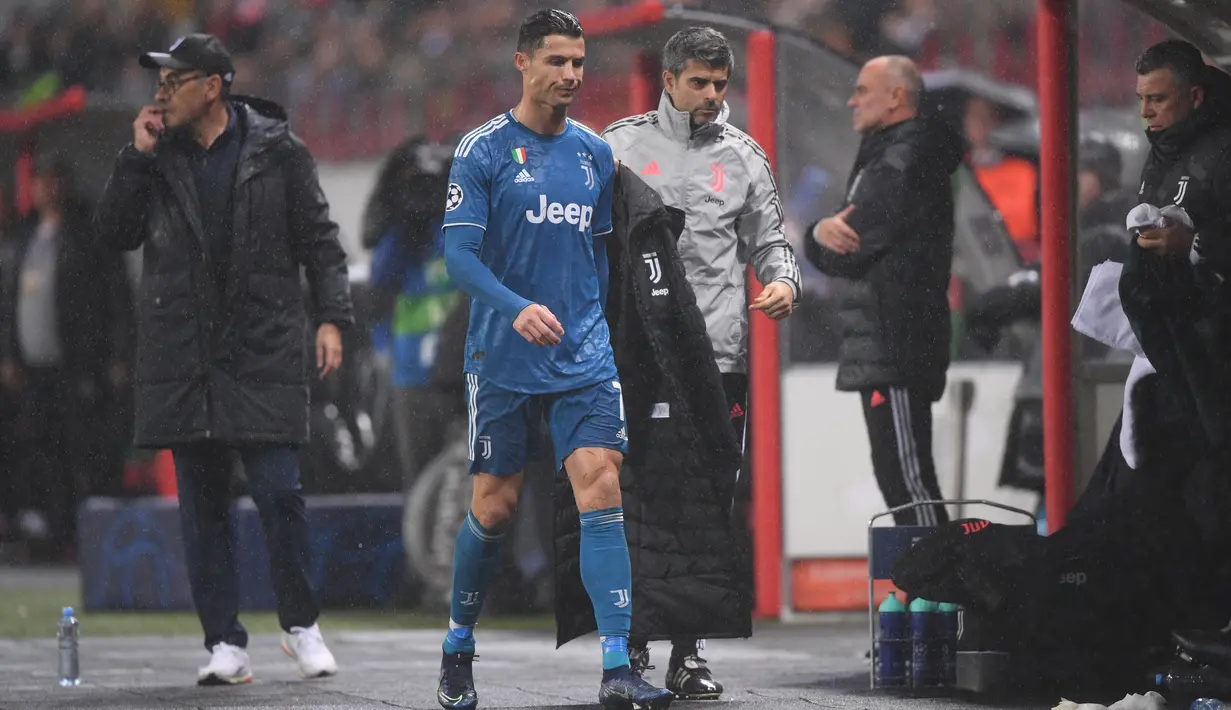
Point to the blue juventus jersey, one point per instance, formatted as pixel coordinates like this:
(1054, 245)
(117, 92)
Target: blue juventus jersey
(545, 205)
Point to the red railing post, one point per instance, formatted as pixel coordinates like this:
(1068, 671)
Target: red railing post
(1055, 123)
(765, 396)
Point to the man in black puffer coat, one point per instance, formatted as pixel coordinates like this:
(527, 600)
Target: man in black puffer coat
(226, 203)
(679, 476)
(1173, 288)
(893, 242)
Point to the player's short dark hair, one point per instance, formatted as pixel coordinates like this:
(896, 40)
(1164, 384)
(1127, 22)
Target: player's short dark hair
(698, 44)
(1182, 58)
(543, 24)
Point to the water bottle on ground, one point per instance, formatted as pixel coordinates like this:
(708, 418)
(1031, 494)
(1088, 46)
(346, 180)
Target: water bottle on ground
(1184, 683)
(892, 651)
(66, 636)
(1207, 704)
(947, 614)
(924, 666)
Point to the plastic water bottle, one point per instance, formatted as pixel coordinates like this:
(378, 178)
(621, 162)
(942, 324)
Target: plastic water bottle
(1187, 683)
(1207, 704)
(947, 615)
(66, 636)
(894, 639)
(924, 669)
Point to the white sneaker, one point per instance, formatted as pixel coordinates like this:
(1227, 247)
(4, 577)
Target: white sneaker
(228, 665)
(308, 650)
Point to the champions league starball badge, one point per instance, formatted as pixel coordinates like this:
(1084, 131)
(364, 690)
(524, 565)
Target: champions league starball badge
(454, 197)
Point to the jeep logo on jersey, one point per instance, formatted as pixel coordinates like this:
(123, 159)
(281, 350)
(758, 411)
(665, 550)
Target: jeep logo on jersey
(656, 272)
(556, 213)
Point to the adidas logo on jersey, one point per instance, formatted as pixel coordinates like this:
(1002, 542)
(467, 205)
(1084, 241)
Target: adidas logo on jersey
(573, 213)
(523, 176)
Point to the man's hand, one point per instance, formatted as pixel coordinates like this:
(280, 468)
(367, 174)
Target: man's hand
(10, 376)
(147, 128)
(836, 235)
(328, 349)
(777, 300)
(1174, 240)
(537, 325)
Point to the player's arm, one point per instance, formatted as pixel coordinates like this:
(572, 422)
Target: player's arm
(760, 228)
(462, 244)
(467, 209)
(535, 322)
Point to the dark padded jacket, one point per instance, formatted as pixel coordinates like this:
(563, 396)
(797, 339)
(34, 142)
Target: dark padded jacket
(1181, 311)
(895, 309)
(228, 366)
(678, 479)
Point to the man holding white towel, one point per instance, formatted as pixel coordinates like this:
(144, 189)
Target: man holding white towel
(1172, 288)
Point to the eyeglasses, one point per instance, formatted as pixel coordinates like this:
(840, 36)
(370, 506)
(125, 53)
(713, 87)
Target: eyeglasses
(172, 84)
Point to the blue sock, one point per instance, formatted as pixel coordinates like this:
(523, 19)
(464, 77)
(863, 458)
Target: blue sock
(476, 558)
(608, 576)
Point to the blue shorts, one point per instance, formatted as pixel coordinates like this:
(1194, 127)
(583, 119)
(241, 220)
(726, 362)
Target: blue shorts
(504, 425)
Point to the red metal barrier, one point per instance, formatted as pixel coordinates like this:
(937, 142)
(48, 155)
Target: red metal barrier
(765, 396)
(1055, 113)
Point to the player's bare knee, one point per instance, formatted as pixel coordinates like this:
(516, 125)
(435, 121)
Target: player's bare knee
(494, 500)
(595, 475)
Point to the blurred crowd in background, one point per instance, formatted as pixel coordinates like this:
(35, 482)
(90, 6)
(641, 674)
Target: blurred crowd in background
(369, 66)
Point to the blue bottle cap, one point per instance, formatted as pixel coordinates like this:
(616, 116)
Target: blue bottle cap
(68, 611)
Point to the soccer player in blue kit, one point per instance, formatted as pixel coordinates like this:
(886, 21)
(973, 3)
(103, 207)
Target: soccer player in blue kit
(528, 205)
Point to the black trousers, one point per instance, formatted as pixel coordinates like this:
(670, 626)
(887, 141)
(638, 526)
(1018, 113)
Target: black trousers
(735, 385)
(900, 431)
(203, 472)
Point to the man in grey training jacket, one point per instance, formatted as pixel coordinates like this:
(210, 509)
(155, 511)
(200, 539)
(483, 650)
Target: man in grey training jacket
(723, 182)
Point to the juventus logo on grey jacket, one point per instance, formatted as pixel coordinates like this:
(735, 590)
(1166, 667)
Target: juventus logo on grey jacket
(1183, 190)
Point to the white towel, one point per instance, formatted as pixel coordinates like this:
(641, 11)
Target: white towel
(1128, 426)
(1149, 701)
(1101, 317)
(1099, 314)
(1147, 215)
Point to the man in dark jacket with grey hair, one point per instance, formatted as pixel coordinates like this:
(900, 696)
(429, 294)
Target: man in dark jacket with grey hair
(893, 242)
(225, 201)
